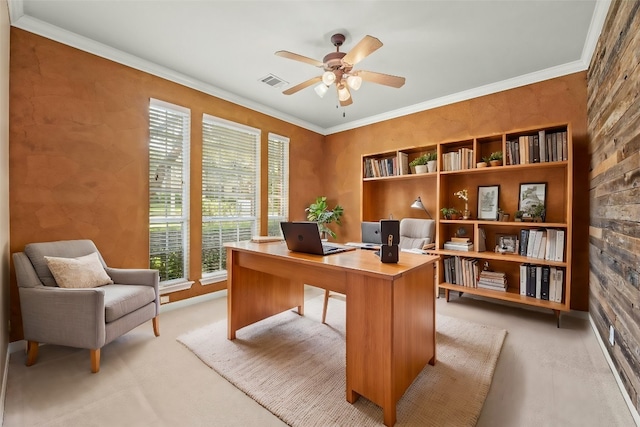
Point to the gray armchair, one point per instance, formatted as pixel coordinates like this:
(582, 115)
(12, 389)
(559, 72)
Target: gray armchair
(81, 317)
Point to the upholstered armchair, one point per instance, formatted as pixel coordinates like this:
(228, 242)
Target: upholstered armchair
(68, 296)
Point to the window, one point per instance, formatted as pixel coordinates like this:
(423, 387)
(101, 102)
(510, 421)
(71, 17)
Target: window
(278, 191)
(230, 190)
(169, 190)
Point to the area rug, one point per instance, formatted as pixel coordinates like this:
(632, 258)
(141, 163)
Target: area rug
(294, 366)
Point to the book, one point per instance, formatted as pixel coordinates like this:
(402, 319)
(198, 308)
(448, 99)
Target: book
(523, 279)
(460, 240)
(543, 146)
(559, 284)
(544, 290)
(458, 246)
(559, 251)
(538, 281)
(266, 239)
(531, 281)
(531, 242)
(524, 240)
(403, 163)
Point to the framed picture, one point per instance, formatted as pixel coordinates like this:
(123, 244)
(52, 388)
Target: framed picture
(488, 202)
(532, 194)
(507, 243)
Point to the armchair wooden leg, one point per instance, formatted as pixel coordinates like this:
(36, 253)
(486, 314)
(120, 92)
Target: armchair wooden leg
(156, 326)
(324, 307)
(32, 352)
(95, 360)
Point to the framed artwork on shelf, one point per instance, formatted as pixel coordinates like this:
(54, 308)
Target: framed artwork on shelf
(488, 202)
(532, 199)
(507, 243)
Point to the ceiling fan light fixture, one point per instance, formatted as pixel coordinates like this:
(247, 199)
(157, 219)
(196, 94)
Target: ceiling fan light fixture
(321, 89)
(343, 93)
(354, 82)
(328, 78)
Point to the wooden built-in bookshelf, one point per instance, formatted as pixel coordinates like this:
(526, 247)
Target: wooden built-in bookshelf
(381, 196)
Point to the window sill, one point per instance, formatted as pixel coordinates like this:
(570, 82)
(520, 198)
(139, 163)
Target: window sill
(214, 278)
(175, 287)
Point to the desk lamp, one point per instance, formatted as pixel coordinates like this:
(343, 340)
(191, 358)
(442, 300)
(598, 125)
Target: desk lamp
(417, 204)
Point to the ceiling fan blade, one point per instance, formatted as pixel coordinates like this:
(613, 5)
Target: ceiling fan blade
(382, 79)
(302, 85)
(296, 57)
(364, 48)
(348, 101)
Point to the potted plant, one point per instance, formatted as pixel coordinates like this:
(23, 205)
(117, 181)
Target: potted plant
(518, 215)
(431, 161)
(495, 159)
(484, 163)
(420, 164)
(450, 213)
(536, 212)
(319, 212)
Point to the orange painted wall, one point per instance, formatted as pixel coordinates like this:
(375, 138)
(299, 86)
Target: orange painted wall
(79, 157)
(558, 100)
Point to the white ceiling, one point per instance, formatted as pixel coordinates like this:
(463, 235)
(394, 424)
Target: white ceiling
(447, 50)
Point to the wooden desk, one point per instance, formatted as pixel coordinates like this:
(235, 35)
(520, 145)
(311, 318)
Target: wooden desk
(390, 319)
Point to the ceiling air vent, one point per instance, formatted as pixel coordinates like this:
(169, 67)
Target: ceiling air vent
(273, 81)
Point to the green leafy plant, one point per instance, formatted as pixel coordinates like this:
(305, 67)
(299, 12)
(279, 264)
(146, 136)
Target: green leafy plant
(320, 213)
(496, 155)
(422, 160)
(518, 214)
(536, 212)
(449, 213)
(431, 156)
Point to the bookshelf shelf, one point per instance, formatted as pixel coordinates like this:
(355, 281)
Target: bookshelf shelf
(525, 161)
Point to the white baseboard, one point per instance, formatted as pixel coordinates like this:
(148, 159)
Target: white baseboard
(627, 399)
(3, 392)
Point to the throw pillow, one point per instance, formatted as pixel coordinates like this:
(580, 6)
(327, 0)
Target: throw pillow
(81, 272)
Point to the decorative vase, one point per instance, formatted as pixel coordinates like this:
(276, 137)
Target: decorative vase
(421, 168)
(466, 213)
(431, 166)
(481, 165)
(495, 162)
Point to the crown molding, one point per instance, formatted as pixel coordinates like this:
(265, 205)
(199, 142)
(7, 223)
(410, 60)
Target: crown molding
(16, 10)
(27, 23)
(69, 38)
(595, 28)
(526, 79)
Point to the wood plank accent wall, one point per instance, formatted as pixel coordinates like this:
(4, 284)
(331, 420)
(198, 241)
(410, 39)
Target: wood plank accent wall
(79, 154)
(560, 100)
(613, 83)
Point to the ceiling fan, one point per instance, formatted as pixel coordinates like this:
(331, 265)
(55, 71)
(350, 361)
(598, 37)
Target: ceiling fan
(338, 68)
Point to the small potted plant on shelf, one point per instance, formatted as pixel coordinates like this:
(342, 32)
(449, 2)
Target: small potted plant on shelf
(431, 161)
(518, 216)
(319, 212)
(536, 212)
(450, 213)
(420, 164)
(495, 159)
(484, 163)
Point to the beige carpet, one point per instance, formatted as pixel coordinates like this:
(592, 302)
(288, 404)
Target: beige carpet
(295, 367)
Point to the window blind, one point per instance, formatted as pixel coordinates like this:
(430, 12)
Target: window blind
(230, 188)
(278, 187)
(169, 134)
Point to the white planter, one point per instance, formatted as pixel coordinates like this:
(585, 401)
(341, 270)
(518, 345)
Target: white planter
(431, 165)
(421, 168)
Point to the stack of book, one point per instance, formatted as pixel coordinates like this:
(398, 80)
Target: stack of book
(459, 244)
(494, 280)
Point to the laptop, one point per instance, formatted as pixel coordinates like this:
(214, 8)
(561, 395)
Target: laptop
(303, 236)
(371, 232)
